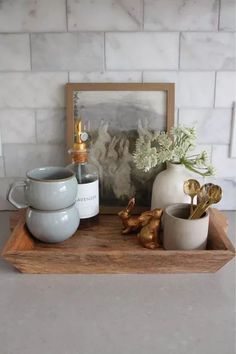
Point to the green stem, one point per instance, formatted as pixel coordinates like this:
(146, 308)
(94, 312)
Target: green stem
(191, 168)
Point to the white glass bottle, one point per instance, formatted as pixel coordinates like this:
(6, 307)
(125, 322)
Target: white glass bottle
(86, 174)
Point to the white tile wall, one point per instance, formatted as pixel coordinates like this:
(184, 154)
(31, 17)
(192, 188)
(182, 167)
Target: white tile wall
(5, 182)
(2, 173)
(106, 76)
(67, 51)
(213, 125)
(21, 157)
(50, 126)
(227, 15)
(32, 16)
(208, 51)
(17, 126)
(225, 166)
(196, 89)
(162, 76)
(225, 89)
(181, 15)
(46, 43)
(193, 89)
(15, 52)
(105, 15)
(32, 90)
(228, 186)
(141, 51)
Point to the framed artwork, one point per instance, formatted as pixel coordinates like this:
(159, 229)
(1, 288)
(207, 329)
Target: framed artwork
(115, 115)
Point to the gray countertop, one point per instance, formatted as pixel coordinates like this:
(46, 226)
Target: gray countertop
(111, 314)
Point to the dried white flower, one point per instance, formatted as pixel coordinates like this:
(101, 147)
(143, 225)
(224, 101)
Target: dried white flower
(155, 148)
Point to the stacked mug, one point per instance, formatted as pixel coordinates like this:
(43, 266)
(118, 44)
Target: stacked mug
(50, 194)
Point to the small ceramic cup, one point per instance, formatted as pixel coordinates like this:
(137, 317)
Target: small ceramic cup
(180, 233)
(52, 226)
(46, 188)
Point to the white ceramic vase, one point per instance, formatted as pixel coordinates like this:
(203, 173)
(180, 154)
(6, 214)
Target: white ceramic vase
(168, 186)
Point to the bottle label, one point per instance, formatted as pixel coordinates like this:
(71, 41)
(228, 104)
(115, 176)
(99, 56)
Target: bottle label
(88, 199)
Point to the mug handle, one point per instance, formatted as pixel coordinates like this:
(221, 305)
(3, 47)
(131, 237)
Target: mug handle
(10, 193)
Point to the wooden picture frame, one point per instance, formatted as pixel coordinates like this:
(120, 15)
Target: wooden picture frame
(162, 91)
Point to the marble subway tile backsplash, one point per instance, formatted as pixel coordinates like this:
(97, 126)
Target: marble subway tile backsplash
(14, 52)
(208, 51)
(5, 182)
(141, 51)
(181, 15)
(105, 15)
(225, 89)
(32, 90)
(46, 43)
(17, 126)
(193, 89)
(213, 125)
(225, 167)
(227, 15)
(50, 126)
(21, 157)
(106, 76)
(196, 89)
(228, 186)
(67, 51)
(32, 16)
(2, 172)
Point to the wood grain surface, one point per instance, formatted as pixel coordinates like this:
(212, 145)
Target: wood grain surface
(102, 249)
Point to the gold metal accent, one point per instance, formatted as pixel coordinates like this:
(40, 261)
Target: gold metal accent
(191, 188)
(130, 223)
(149, 234)
(79, 151)
(148, 223)
(79, 144)
(209, 194)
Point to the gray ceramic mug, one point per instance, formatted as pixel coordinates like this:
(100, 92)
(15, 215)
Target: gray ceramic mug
(46, 188)
(180, 233)
(53, 226)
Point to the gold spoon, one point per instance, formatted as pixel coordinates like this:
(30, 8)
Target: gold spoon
(202, 198)
(191, 188)
(203, 193)
(214, 195)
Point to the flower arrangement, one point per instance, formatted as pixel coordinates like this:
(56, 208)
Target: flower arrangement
(153, 149)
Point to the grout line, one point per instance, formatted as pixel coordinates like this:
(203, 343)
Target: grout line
(63, 108)
(180, 35)
(30, 49)
(104, 52)
(118, 31)
(143, 15)
(1, 155)
(219, 11)
(211, 153)
(3, 159)
(4, 166)
(116, 70)
(36, 126)
(214, 99)
(66, 4)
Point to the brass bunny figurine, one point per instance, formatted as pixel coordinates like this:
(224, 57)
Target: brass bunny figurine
(148, 236)
(130, 223)
(136, 222)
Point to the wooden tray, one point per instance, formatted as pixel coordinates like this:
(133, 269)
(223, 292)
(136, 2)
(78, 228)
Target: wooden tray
(102, 249)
